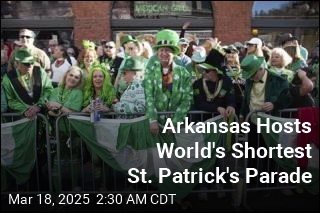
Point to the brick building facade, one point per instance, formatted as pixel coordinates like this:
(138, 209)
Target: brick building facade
(95, 23)
(229, 21)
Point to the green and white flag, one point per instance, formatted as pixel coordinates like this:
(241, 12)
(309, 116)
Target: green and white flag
(18, 152)
(128, 143)
(290, 140)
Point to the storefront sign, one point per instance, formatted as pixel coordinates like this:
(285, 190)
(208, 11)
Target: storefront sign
(161, 8)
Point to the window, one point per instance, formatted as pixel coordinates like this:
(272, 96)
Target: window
(273, 19)
(285, 9)
(35, 10)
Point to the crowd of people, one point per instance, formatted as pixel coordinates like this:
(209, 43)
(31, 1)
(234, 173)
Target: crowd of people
(175, 75)
(213, 77)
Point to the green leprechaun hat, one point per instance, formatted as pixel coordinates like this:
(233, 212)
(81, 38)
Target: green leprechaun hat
(167, 38)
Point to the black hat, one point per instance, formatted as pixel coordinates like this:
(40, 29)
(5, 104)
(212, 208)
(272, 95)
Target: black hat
(287, 37)
(214, 60)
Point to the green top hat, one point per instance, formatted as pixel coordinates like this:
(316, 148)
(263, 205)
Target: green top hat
(251, 64)
(23, 55)
(133, 64)
(167, 38)
(127, 38)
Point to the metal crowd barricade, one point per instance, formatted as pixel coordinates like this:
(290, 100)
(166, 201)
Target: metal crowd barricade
(67, 179)
(40, 180)
(268, 165)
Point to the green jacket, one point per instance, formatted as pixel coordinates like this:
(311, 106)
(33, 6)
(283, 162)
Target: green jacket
(276, 92)
(4, 104)
(15, 103)
(285, 73)
(159, 100)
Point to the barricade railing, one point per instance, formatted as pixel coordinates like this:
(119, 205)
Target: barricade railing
(268, 165)
(73, 169)
(39, 180)
(99, 177)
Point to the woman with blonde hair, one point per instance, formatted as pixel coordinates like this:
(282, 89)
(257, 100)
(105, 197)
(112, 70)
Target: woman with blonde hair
(66, 98)
(87, 57)
(278, 61)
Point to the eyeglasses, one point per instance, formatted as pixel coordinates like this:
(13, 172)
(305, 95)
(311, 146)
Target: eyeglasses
(27, 64)
(25, 36)
(70, 53)
(108, 47)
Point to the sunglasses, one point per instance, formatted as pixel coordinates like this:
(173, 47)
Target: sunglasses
(108, 47)
(27, 64)
(25, 36)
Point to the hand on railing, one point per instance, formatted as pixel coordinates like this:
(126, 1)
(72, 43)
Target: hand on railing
(54, 108)
(32, 111)
(230, 111)
(222, 112)
(267, 106)
(226, 113)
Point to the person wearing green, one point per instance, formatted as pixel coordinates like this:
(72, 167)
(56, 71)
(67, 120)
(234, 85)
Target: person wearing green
(168, 86)
(98, 86)
(28, 86)
(214, 92)
(4, 104)
(66, 98)
(99, 94)
(264, 90)
(133, 99)
(279, 59)
(133, 48)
